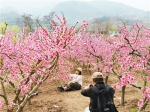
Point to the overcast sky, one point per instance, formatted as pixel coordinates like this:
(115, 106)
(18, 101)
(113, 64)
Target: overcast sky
(24, 4)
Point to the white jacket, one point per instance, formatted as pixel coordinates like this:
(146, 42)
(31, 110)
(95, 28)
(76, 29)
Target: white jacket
(76, 78)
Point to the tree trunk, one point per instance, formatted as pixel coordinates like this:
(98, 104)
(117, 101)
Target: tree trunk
(29, 102)
(123, 95)
(20, 109)
(106, 79)
(97, 65)
(21, 106)
(89, 69)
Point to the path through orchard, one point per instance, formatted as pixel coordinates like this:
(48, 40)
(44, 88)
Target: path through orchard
(74, 102)
(52, 100)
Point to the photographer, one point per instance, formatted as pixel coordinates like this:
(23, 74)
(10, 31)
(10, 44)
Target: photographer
(89, 91)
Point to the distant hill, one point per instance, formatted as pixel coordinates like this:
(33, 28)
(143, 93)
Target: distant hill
(76, 10)
(9, 15)
(119, 9)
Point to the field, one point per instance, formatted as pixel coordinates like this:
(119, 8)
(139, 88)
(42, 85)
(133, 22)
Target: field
(51, 100)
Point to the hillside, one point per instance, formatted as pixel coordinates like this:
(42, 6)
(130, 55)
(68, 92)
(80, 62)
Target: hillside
(9, 16)
(75, 10)
(119, 9)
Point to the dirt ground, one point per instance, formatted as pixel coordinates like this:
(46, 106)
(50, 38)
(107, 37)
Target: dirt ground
(52, 100)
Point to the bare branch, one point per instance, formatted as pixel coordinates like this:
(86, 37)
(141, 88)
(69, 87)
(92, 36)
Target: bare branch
(17, 96)
(11, 83)
(34, 94)
(4, 92)
(116, 74)
(7, 55)
(133, 52)
(2, 96)
(138, 87)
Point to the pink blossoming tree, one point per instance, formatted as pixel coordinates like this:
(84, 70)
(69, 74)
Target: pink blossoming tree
(27, 61)
(127, 56)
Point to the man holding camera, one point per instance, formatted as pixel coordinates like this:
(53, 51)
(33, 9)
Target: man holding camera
(89, 91)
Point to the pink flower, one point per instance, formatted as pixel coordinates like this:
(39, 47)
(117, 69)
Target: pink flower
(14, 76)
(146, 93)
(1, 105)
(10, 105)
(118, 85)
(148, 78)
(140, 103)
(45, 31)
(24, 89)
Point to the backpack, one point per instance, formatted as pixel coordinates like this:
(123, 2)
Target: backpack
(104, 101)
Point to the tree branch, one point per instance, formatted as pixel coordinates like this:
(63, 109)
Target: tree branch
(34, 94)
(16, 96)
(32, 72)
(11, 83)
(116, 74)
(4, 92)
(138, 87)
(52, 67)
(133, 52)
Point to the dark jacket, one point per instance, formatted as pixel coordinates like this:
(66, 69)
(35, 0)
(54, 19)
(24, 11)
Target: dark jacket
(89, 92)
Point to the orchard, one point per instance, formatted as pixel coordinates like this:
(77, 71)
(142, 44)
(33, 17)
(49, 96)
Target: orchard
(30, 59)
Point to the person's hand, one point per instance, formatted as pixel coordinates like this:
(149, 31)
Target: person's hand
(87, 86)
(69, 82)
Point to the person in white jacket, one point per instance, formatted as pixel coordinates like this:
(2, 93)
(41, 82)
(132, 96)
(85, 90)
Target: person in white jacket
(75, 83)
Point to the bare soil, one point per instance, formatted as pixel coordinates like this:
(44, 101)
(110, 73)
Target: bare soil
(51, 100)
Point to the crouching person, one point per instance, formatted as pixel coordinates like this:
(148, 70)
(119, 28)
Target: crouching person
(75, 83)
(100, 94)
